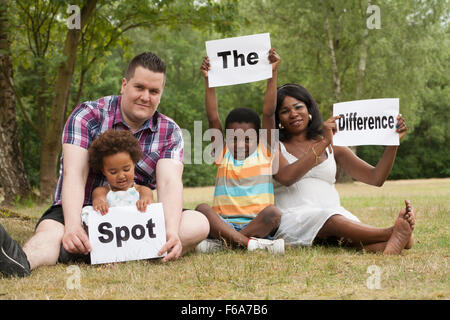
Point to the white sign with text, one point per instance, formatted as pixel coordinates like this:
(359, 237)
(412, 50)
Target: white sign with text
(125, 234)
(367, 122)
(239, 60)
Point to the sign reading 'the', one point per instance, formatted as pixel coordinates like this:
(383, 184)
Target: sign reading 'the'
(239, 60)
(125, 234)
(366, 122)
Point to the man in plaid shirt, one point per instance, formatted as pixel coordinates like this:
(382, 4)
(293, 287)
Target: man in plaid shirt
(59, 232)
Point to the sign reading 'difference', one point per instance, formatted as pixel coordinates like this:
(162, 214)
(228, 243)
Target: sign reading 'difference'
(366, 122)
(125, 234)
(239, 60)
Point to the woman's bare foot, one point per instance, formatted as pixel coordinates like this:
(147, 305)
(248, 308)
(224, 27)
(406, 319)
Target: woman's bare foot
(411, 217)
(410, 214)
(403, 228)
(410, 242)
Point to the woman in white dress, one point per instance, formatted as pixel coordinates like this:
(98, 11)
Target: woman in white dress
(305, 191)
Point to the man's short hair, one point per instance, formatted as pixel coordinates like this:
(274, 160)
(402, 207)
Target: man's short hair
(147, 60)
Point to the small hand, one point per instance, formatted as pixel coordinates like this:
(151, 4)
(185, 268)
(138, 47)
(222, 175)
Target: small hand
(141, 204)
(101, 206)
(205, 67)
(274, 59)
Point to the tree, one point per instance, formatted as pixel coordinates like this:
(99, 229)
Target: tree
(51, 141)
(331, 48)
(51, 77)
(12, 174)
(424, 154)
(183, 50)
(103, 27)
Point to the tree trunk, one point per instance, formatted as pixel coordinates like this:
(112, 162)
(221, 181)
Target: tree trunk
(362, 66)
(341, 175)
(334, 64)
(51, 142)
(12, 173)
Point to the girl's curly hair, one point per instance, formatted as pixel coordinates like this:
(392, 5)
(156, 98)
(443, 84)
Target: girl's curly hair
(111, 142)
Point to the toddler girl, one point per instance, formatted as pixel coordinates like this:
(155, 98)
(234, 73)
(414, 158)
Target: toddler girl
(115, 154)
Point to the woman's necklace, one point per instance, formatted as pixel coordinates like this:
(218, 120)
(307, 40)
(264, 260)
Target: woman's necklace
(304, 150)
(300, 149)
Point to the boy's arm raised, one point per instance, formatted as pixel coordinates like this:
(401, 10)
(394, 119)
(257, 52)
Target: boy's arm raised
(270, 99)
(212, 109)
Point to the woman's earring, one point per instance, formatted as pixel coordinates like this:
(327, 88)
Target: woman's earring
(310, 117)
(280, 126)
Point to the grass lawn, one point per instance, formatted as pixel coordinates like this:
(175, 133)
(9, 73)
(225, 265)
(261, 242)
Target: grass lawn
(317, 272)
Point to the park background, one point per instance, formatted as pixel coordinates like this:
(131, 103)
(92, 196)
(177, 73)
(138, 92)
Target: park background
(339, 50)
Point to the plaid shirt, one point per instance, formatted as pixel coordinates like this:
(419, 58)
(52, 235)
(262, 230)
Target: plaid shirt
(160, 138)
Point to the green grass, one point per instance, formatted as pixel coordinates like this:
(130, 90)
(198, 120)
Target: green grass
(317, 272)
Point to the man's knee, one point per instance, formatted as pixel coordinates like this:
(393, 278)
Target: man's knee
(43, 247)
(47, 236)
(202, 225)
(194, 224)
(51, 229)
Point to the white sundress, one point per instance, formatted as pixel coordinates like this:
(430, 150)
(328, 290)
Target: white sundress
(307, 204)
(128, 197)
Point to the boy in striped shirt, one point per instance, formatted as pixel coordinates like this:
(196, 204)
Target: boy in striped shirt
(242, 213)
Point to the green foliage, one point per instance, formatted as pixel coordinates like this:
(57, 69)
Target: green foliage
(406, 58)
(198, 175)
(424, 152)
(104, 50)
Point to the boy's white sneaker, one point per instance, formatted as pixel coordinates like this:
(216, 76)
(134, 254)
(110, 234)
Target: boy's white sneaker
(273, 246)
(209, 246)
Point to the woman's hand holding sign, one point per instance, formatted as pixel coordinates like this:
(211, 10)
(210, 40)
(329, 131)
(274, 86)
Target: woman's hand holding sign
(329, 129)
(401, 126)
(362, 171)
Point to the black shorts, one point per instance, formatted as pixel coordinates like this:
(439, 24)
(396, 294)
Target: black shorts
(54, 213)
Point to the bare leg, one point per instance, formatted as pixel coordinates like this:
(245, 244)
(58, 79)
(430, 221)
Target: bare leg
(381, 246)
(43, 247)
(352, 231)
(264, 224)
(220, 229)
(194, 228)
(370, 238)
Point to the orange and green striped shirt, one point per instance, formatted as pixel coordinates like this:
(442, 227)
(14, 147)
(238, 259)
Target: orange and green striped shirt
(243, 187)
